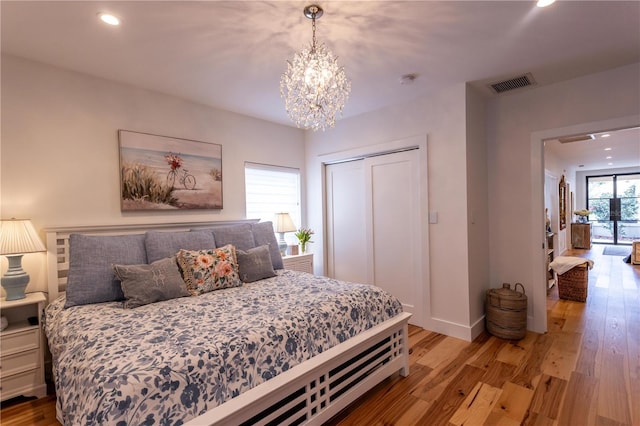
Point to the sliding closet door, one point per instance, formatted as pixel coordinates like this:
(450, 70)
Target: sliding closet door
(393, 227)
(346, 235)
(373, 227)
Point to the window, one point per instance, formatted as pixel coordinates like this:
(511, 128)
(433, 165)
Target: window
(270, 190)
(613, 202)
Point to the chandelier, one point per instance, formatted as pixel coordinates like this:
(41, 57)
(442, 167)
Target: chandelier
(314, 87)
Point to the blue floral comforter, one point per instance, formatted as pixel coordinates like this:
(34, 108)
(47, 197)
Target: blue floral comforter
(168, 362)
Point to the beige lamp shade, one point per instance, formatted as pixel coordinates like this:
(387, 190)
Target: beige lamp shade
(18, 236)
(284, 223)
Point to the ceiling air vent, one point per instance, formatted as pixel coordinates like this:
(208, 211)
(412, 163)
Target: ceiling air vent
(577, 138)
(513, 83)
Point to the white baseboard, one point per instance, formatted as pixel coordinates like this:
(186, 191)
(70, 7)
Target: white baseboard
(459, 331)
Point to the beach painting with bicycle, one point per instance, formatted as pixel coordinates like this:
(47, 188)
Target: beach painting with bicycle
(161, 172)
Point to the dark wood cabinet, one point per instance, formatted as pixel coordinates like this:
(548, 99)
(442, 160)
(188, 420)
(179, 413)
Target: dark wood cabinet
(581, 235)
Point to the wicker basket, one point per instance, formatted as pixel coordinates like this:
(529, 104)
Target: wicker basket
(506, 312)
(573, 284)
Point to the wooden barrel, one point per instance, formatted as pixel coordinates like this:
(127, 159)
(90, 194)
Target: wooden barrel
(506, 312)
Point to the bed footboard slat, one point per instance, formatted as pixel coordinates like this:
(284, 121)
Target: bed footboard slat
(315, 391)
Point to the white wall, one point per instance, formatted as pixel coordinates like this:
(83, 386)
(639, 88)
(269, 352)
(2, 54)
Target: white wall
(515, 182)
(558, 168)
(478, 210)
(441, 117)
(60, 158)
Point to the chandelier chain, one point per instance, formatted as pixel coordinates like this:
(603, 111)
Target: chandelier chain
(313, 28)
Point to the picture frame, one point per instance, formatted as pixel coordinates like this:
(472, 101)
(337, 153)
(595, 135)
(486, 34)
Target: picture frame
(168, 173)
(562, 203)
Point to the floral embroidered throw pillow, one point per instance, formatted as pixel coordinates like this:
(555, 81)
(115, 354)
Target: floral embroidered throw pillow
(208, 270)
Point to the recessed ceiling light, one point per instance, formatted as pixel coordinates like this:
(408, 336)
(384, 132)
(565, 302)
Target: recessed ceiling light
(545, 3)
(610, 164)
(107, 18)
(607, 149)
(608, 157)
(606, 135)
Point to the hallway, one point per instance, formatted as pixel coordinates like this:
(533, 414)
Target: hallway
(605, 382)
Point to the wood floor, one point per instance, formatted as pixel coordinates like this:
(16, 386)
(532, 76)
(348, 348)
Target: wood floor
(584, 371)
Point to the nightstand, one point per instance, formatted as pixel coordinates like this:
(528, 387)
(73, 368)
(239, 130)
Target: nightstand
(22, 348)
(299, 262)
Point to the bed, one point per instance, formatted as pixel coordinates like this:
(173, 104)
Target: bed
(291, 348)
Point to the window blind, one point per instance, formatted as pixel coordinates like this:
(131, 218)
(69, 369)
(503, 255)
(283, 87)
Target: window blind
(270, 190)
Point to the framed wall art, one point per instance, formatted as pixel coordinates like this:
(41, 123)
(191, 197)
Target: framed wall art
(562, 203)
(161, 172)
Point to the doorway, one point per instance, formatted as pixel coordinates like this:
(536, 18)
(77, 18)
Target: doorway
(538, 320)
(613, 202)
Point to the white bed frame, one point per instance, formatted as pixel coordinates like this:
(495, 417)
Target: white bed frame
(309, 393)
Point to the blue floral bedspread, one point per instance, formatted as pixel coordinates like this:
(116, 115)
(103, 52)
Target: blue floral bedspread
(168, 362)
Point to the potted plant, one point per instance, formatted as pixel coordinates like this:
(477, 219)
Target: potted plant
(304, 236)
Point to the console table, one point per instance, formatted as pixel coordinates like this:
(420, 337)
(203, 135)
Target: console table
(581, 236)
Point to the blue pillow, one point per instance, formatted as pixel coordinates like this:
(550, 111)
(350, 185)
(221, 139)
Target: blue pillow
(255, 264)
(160, 245)
(145, 284)
(91, 278)
(239, 236)
(263, 235)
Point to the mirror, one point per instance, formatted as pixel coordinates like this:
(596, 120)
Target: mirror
(562, 203)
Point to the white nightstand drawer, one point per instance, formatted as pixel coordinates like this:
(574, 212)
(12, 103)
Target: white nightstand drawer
(21, 348)
(299, 262)
(20, 341)
(19, 362)
(19, 384)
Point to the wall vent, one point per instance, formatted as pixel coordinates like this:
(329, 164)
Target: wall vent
(577, 138)
(519, 82)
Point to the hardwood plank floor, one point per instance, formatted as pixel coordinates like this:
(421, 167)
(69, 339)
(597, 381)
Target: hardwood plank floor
(584, 371)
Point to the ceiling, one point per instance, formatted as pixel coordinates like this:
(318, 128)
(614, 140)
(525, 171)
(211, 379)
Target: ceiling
(606, 150)
(231, 54)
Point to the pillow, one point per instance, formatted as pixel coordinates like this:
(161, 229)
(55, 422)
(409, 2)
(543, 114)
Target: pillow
(263, 234)
(160, 245)
(255, 264)
(239, 236)
(207, 270)
(91, 278)
(144, 284)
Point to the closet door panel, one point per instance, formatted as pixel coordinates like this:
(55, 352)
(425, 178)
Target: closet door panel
(346, 236)
(393, 229)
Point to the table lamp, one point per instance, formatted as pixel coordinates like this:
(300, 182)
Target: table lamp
(17, 237)
(283, 224)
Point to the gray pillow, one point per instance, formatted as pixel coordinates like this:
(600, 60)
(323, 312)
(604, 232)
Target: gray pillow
(255, 264)
(160, 245)
(239, 236)
(263, 234)
(144, 284)
(91, 278)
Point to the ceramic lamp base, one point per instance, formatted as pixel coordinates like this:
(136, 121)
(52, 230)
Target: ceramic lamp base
(15, 280)
(282, 244)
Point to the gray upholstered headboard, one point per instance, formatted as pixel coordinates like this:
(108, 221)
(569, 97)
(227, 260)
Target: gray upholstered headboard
(57, 240)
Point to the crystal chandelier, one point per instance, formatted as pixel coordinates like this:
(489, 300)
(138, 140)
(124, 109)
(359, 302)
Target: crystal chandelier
(314, 87)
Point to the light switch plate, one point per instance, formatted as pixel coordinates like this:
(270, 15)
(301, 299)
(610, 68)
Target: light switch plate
(433, 217)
